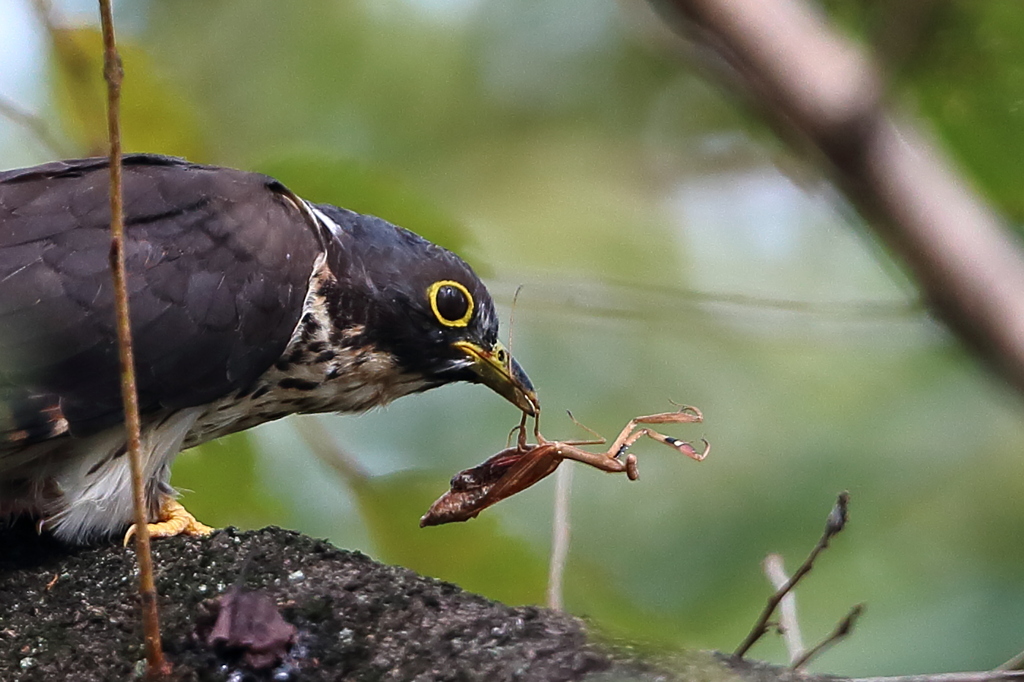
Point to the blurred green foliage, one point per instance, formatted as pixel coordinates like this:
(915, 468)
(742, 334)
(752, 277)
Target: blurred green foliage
(969, 84)
(347, 183)
(670, 250)
(236, 476)
(156, 117)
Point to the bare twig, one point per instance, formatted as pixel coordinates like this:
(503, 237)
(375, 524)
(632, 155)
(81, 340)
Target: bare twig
(559, 538)
(35, 125)
(824, 96)
(789, 624)
(835, 523)
(113, 73)
(844, 628)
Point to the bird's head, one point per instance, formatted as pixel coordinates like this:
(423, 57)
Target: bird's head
(422, 304)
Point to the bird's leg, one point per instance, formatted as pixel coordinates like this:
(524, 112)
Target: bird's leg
(172, 519)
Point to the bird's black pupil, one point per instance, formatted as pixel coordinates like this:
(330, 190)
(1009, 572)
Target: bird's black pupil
(451, 303)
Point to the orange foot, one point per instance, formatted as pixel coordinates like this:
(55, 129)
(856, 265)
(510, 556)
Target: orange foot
(172, 519)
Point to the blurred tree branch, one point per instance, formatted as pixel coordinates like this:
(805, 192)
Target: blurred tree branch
(35, 125)
(825, 97)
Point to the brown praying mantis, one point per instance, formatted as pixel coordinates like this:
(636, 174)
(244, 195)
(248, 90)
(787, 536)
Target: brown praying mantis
(515, 469)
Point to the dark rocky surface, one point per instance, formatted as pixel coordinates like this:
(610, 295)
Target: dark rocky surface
(72, 614)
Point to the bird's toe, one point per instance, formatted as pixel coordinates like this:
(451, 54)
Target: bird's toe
(173, 520)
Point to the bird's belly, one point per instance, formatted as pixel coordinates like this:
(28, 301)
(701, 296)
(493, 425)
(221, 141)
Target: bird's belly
(352, 380)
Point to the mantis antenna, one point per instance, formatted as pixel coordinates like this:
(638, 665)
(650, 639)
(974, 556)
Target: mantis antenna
(511, 328)
(512, 318)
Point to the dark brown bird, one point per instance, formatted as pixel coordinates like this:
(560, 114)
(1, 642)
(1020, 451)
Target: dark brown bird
(247, 304)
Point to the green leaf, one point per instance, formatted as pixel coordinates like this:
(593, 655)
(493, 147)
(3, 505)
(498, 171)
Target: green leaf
(155, 116)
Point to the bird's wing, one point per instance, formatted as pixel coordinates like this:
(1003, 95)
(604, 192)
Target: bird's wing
(218, 266)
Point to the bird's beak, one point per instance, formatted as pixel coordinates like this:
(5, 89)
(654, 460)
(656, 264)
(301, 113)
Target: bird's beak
(499, 371)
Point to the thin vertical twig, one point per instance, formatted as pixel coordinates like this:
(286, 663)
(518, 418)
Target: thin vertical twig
(559, 538)
(789, 624)
(113, 73)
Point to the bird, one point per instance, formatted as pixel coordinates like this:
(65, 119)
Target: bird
(247, 304)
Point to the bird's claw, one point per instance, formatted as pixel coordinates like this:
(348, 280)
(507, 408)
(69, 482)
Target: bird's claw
(173, 520)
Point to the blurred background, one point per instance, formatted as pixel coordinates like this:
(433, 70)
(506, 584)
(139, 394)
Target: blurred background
(669, 248)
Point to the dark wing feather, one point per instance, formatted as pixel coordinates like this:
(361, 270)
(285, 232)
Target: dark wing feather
(218, 260)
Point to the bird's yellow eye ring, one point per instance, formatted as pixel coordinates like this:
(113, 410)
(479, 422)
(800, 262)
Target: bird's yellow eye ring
(451, 302)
